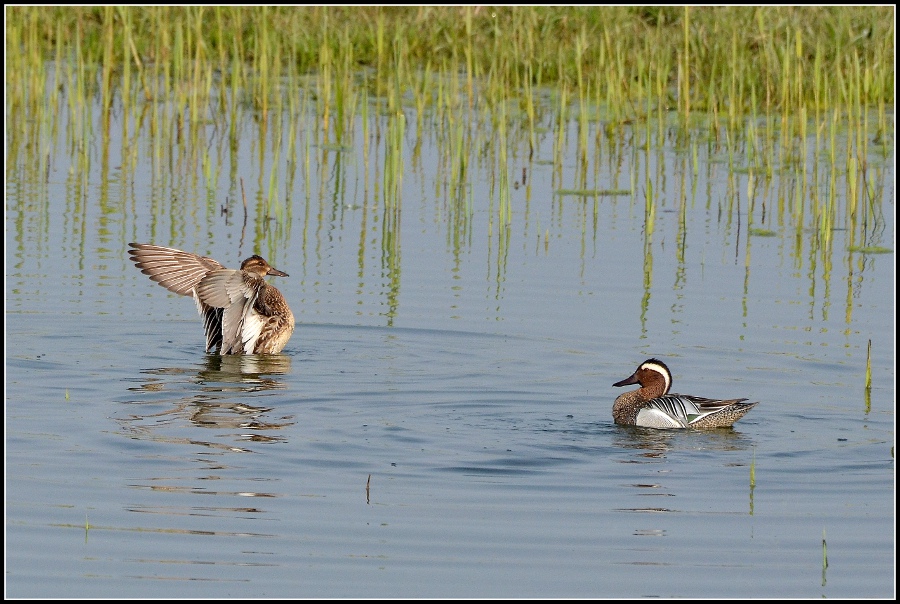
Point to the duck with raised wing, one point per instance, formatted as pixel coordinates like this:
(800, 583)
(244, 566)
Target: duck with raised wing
(652, 406)
(242, 314)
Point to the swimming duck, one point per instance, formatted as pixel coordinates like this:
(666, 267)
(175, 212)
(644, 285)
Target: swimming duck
(651, 405)
(242, 314)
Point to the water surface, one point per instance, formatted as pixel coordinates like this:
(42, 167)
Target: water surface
(440, 424)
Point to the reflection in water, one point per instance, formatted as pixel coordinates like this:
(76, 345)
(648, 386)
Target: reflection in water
(247, 370)
(653, 446)
(221, 379)
(178, 406)
(390, 240)
(649, 222)
(652, 443)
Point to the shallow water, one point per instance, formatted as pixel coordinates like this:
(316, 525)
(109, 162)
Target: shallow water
(440, 424)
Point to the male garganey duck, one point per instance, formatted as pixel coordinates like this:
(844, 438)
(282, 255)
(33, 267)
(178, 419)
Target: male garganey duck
(651, 405)
(242, 314)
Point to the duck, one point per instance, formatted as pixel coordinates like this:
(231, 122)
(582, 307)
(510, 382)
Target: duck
(653, 406)
(241, 312)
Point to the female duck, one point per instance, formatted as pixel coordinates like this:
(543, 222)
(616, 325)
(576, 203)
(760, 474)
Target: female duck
(651, 405)
(242, 314)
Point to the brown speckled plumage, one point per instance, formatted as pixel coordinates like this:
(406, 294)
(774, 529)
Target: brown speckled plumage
(242, 314)
(652, 405)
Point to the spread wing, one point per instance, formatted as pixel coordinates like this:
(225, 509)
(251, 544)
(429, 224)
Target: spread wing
(175, 270)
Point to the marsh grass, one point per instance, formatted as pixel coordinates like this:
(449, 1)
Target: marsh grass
(868, 388)
(695, 60)
(752, 479)
(796, 102)
(593, 192)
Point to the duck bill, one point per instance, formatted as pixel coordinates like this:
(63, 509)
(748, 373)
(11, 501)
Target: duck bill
(628, 381)
(276, 273)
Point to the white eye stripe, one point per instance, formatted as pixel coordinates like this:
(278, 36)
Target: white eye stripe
(662, 370)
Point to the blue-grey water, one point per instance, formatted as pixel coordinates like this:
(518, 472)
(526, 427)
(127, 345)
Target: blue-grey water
(440, 423)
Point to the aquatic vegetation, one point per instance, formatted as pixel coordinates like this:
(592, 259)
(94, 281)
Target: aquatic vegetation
(793, 102)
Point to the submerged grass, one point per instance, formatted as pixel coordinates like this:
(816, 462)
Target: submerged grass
(870, 249)
(593, 192)
(869, 366)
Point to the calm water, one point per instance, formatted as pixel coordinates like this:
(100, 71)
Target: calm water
(440, 424)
